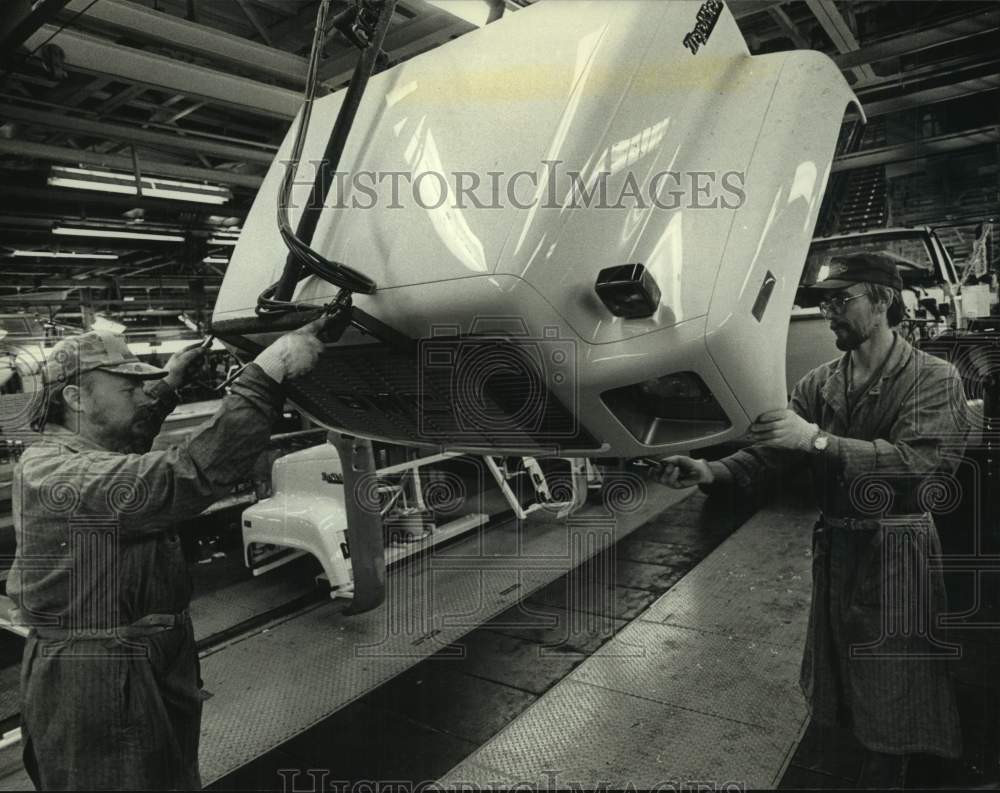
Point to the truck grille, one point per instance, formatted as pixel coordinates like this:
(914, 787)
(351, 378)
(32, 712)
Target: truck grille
(421, 398)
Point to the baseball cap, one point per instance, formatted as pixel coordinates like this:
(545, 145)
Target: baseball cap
(874, 267)
(97, 349)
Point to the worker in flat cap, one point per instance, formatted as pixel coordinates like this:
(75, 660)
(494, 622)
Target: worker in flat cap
(875, 426)
(111, 694)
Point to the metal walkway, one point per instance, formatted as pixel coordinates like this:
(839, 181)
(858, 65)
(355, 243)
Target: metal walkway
(270, 686)
(701, 688)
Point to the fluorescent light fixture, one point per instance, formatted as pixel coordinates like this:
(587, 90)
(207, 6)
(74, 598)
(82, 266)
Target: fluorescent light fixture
(225, 236)
(125, 184)
(215, 260)
(65, 255)
(109, 325)
(188, 323)
(116, 234)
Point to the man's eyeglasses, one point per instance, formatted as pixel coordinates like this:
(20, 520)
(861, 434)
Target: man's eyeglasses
(837, 303)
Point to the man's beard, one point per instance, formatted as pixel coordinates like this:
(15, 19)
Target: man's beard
(849, 341)
(850, 338)
(134, 438)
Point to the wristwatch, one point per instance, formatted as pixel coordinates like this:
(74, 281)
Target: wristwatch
(820, 441)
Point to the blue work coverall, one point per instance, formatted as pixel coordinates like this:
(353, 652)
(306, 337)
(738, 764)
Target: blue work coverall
(111, 695)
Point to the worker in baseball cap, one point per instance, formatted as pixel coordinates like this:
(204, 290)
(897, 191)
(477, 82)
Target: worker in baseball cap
(873, 267)
(108, 385)
(873, 274)
(872, 426)
(97, 349)
(111, 694)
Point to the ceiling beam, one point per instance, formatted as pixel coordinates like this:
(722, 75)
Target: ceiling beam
(840, 33)
(283, 7)
(156, 26)
(122, 97)
(295, 32)
(789, 28)
(973, 25)
(76, 88)
(121, 279)
(941, 144)
(19, 19)
(102, 56)
(60, 201)
(742, 9)
(250, 13)
(42, 151)
(930, 95)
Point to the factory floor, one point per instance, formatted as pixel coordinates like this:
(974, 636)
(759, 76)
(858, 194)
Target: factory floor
(503, 712)
(424, 722)
(549, 691)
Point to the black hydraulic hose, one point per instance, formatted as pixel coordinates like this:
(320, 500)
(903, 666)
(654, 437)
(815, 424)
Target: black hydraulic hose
(299, 252)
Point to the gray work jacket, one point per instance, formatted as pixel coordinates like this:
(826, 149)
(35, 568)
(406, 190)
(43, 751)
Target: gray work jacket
(107, 704)
(96, 544)
(874, 658)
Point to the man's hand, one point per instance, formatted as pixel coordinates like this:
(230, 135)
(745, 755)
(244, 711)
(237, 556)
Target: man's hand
(783, 429)
(293, 354)
(680, 472)
(181, 363)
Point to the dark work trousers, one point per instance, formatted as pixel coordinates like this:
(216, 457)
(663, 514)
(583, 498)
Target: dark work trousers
(118, 714)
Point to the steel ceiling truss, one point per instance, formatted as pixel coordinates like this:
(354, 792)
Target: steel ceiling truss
(920, 149)
(20, 19)
(119, 75)
(100, 56)
(42, 151)
(136, 21)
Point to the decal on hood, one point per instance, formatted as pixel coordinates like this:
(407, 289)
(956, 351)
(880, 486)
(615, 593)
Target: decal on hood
(708, 15)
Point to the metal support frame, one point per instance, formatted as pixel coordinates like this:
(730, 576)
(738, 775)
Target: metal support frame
(120, 99)
(940, 144)
(42, 151)
(927, 96)
(73, 91)
(250, 13)
(973, 25)
(19, 19)
(581, 474)
(149, 25)
(788, 27)
(167, 282)
(840, 33)
(17, 198)
(364, 526)
(741, 9)
(100, 56)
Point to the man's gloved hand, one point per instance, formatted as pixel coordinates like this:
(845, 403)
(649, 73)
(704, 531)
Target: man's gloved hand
(181, 364)
(783, 429)
(680, 472)
(294, 353)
